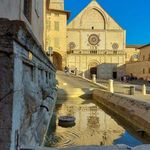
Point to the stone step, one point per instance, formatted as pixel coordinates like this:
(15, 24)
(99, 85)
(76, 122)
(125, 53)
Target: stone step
(63, 94)
(113, 147)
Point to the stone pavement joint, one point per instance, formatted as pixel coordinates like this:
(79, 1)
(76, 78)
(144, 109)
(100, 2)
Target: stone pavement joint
(95, 147)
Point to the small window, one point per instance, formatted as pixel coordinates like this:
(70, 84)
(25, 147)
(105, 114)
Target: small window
(28, 9)
(92, 28)
(56, 14)
(149, 57)
(143, 57)
(143, 71)
(56, 26)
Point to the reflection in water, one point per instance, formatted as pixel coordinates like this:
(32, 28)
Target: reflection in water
(93, 127)
(127, 139)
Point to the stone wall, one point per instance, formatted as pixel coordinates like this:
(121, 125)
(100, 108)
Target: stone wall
(6, 92)
(14, 10)
(27, 89)
(138, 111)
(143, 71)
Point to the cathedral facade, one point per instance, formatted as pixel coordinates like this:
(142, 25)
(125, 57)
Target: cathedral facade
(96, 43)
(92, 43)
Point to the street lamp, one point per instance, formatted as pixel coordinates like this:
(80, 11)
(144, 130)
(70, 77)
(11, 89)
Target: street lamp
(49, 51)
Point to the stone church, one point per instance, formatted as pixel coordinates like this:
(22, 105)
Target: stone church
(95, 43)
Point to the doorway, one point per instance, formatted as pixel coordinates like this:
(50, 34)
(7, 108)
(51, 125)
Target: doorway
(57, 60)
(115, 75)
(93, 68)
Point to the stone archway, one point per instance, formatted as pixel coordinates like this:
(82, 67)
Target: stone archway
(99, 21)
(92, 68)
(57, 60)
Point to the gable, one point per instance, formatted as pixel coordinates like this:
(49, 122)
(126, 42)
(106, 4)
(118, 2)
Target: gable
(93, 16)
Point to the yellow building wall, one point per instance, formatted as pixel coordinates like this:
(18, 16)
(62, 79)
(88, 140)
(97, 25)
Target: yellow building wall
(56, 38)
(141, 68)
(131, 53)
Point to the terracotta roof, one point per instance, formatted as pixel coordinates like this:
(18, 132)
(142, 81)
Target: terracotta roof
(144, 46)
(61, 11)
(133, 46)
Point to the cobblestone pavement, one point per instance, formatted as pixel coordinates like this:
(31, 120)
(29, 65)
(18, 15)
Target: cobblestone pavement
(69, 81)
(122, 88)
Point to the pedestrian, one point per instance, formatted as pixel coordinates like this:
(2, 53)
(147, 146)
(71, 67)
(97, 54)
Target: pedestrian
(65, 69)
(124, 78)
(68, 70)
(76, 71)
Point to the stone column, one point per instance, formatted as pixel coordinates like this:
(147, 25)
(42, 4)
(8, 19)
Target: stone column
(94, 78)
(143, 89)
(111, 87)
(83, 76)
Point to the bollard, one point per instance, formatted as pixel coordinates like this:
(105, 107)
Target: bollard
(111, 87)
(83, 76)
(76, 72)
(131, 90)
(143, 89)
(94, 78)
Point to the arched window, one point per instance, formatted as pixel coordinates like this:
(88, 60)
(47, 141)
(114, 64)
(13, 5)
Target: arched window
(93, 19)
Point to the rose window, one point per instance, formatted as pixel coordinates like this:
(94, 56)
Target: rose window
(115, 46)
(72, 45)
(93, 39)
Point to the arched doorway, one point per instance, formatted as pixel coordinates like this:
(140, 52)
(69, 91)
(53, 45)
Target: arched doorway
(114, 73)
(93, 68)
(57, 60)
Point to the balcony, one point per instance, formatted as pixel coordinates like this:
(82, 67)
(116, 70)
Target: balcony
(96, 52)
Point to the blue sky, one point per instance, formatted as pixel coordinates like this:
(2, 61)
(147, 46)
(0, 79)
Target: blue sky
(132, 15)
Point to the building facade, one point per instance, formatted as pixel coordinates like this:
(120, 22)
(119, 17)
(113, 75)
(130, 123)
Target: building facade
(95, 43)
(92, 42)
(30, 11)
(28, 77)
(140, 68)
(56, 27)
(132, 53)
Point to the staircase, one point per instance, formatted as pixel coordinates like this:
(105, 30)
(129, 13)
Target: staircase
(64, 94)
